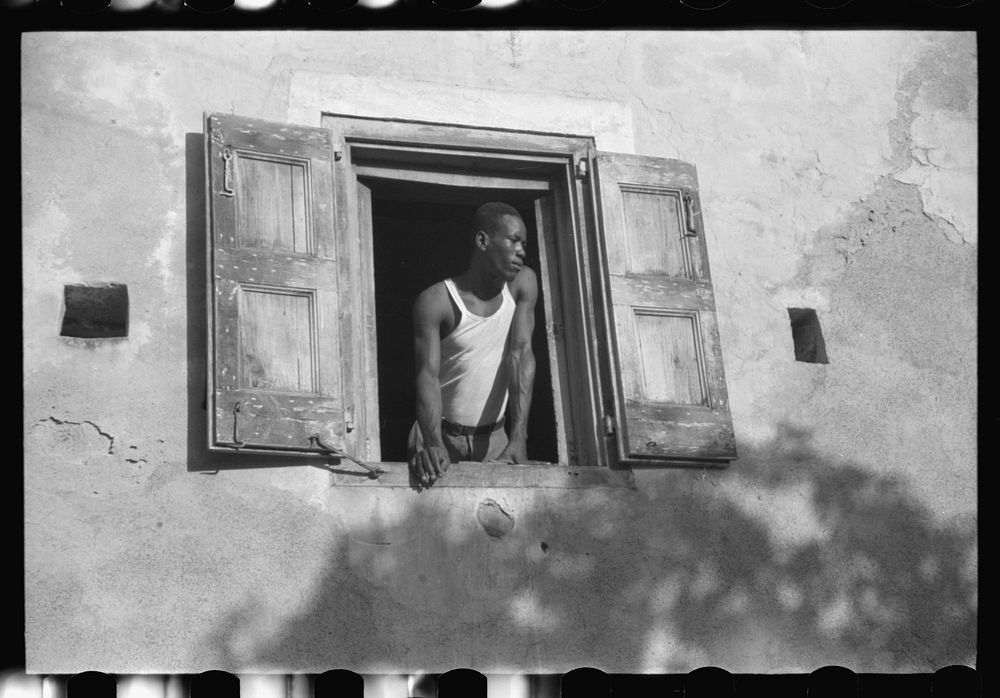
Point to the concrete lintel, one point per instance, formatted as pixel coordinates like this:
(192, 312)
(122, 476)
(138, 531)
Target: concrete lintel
(311, 93)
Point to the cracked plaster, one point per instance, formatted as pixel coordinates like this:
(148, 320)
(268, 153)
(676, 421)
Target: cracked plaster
(936, 136)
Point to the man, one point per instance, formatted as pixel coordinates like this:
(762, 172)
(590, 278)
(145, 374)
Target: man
(472, 341)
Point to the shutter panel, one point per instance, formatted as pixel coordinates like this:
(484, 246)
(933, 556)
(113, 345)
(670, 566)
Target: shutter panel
(671, 395)
(274, 370)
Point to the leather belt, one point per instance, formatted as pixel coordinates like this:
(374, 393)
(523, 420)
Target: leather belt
(462, 430)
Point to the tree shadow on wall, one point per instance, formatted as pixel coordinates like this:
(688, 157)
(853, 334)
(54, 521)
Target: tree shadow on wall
(689, 577)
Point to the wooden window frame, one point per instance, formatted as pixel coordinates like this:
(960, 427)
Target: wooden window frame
(367, 149)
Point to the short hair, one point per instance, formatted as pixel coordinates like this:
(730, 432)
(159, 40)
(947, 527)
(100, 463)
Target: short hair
(489, 214)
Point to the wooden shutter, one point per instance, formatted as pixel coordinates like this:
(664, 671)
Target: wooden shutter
(274, 369)
(671, 401)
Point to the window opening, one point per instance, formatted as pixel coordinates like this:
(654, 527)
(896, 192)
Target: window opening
(807, 336)
(95, 311)
(420, 236)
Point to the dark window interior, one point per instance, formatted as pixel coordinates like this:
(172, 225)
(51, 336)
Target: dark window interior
(420, 236)
(95, 311)
(807, 336)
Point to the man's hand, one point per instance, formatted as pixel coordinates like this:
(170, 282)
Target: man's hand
(430, 464)
(514, 452)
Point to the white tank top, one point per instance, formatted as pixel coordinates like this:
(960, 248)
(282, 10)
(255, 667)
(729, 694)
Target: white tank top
(473, 373)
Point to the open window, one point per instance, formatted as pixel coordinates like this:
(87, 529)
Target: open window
(409, 190)
(420, 235)
(322, 237)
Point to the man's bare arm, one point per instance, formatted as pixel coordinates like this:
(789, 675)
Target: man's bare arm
(428, 315)
(520, 361)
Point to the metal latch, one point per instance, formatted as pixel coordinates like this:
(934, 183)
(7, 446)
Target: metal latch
(689, 214)
(373, 470)
(237, 444)
(227, 173)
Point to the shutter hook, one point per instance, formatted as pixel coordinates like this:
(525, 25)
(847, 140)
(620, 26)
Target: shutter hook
(227, 173)
(373, 470)
(236, 441)
(689, 215)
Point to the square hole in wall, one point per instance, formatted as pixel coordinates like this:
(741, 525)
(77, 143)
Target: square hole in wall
(807, 336)
(95, 310)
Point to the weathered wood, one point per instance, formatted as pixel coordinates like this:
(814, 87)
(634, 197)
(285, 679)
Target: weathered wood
(583, 338)
(368, 410)
(271, 204)
(671, 395)
(210, 172)
(705, 435)
(485, 161)
(605, 335)
(661, 291)
(653, 232)
(271, 138)
(453, 179)
(278, 360)
(275, 346)
(479, 475)
(545, 217)
(276, 420)
(671, 366)
(409, 133)
(349, 310)
(262, 267)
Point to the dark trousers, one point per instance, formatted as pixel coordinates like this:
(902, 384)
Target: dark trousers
(477, 448)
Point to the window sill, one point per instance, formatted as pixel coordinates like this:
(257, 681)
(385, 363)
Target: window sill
(480, 475)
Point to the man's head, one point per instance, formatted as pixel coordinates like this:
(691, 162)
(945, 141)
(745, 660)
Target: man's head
(499, 239)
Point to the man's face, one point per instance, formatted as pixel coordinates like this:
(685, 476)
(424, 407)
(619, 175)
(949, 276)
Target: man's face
(505, 247)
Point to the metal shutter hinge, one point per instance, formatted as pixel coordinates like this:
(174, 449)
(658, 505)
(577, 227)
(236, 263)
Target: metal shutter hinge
(581, 168)
(609, 425)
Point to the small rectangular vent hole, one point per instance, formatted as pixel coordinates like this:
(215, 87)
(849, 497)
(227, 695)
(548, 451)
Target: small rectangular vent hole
(95, 310)
(808, 336)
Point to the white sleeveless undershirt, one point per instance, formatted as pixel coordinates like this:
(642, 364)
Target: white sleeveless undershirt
(473, 373)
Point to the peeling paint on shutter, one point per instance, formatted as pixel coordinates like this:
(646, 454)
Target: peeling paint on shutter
(671, 398)
(274, 364)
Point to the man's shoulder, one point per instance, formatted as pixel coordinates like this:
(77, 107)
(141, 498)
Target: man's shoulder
(433, 300)
(435, 291)
(525, 284)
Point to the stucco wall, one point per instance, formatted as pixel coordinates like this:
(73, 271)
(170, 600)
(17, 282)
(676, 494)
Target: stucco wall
(838, 172)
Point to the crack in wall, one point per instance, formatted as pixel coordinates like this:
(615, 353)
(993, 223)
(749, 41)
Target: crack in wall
(513, 39)
(61, 422)
(648, 111)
